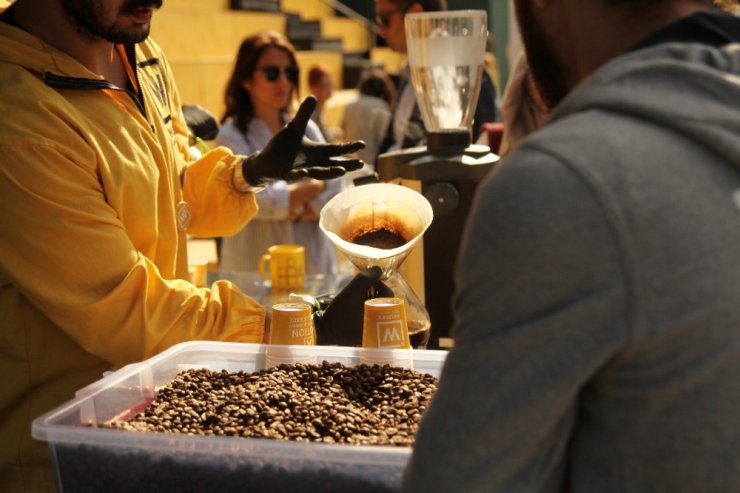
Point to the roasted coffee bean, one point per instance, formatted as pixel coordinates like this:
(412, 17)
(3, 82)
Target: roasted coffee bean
(328, 402)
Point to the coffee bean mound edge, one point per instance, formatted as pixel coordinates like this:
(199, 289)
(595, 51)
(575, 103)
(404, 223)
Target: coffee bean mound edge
(327, 402)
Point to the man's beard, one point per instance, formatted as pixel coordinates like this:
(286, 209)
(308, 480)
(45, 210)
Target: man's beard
(547, 72)
(88, 15)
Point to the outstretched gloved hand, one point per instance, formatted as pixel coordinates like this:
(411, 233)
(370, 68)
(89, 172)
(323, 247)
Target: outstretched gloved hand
(290, 156)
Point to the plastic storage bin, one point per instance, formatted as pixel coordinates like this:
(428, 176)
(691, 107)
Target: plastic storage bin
(88, 458)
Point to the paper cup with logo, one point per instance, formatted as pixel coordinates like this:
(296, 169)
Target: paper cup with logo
(284, 266)
(291, 332)
(198, 272)
(385, 333)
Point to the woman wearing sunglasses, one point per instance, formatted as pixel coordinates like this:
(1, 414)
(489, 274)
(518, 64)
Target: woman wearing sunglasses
(259, 98)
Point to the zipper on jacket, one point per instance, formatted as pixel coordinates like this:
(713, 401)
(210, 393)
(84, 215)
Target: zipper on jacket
(80, 84)
(131, 56)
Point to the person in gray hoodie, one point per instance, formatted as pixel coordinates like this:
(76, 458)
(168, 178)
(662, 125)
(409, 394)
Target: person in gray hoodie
(597, 306)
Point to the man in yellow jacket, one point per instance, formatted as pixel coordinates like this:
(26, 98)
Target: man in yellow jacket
(96, 199)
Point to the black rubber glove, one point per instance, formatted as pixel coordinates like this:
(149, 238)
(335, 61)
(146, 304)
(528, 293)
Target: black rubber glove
(290, 156)
(200, 121)
(341, 322)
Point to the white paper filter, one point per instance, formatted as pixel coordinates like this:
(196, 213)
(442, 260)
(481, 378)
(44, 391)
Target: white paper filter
(375, 199)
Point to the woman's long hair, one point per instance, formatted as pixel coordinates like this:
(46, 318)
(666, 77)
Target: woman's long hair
(238, 101)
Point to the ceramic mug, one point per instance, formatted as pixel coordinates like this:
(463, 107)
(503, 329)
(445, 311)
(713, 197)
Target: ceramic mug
(284, 266)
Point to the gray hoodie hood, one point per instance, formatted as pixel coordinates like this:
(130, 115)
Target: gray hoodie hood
(709, 75)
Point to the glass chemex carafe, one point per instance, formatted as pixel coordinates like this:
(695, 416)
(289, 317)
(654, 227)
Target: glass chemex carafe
(376, 226)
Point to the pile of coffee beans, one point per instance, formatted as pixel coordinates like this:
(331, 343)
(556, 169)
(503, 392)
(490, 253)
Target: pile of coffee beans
(327, 402)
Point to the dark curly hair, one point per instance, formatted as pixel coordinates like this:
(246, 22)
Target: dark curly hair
(427, 5)
(376, 82)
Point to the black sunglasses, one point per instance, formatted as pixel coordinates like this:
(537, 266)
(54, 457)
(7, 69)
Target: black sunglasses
(272, 72)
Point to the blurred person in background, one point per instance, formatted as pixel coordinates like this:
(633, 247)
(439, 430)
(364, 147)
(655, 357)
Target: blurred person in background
(98, 195)
(368, 117)
(522, 109)
(321, 85)
(407, 128)
(732, 6)
(597, 327)
(259, 96)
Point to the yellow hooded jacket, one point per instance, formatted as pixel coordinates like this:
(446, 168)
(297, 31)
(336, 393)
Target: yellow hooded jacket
(93, 227)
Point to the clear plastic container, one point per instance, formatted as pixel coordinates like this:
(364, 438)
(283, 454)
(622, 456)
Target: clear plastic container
(88, 458)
